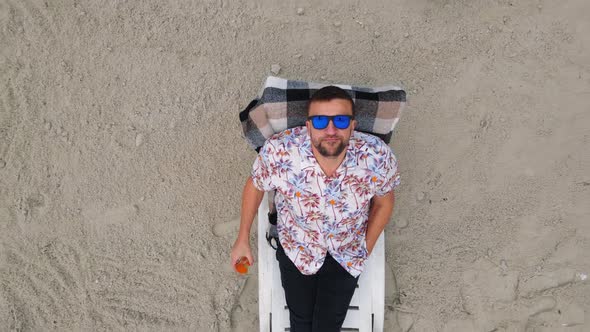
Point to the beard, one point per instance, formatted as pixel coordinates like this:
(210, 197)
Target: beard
(330, 149)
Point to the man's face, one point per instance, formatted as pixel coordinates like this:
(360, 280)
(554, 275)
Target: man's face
(330, 142)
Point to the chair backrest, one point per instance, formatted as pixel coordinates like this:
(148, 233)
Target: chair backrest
(282, 104)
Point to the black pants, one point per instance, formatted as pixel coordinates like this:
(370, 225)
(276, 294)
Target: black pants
(319, 302)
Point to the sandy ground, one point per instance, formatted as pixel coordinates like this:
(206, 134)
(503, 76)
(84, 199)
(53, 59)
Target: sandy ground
(122, 161)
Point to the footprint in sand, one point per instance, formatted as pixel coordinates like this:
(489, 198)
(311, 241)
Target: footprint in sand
(4, 311)
(459, 325)
(100, 219)
(5, 218)
(30, 206)
(392, 319)
(244, 315)
(225, 228)
(391, 291)
(116, 215)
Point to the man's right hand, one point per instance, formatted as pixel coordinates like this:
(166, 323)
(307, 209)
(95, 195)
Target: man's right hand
(241, 248)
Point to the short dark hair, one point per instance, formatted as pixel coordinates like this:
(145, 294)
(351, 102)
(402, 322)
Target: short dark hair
(328, 93)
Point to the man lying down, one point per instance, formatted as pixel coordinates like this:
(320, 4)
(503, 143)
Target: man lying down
(334, 196)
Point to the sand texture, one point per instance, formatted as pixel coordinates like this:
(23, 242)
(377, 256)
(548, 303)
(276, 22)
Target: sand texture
(122, 158)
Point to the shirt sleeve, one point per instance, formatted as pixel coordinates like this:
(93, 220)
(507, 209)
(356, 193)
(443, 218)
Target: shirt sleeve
(391, 174)
(262, 170)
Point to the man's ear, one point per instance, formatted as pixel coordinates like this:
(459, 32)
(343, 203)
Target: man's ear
(307, 125)
(353, 124)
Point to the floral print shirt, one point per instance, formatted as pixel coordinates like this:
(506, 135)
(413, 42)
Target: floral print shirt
(319, 214)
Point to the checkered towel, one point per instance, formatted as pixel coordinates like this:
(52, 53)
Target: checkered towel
(282, 103)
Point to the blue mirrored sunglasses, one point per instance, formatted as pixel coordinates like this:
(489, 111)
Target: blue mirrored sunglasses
(322, 121)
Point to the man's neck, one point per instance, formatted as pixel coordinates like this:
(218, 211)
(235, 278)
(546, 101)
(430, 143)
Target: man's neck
(329, 164)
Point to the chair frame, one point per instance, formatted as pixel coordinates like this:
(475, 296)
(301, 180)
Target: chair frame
(366, 311)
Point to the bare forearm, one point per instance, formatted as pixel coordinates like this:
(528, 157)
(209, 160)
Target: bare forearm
(251, 198)
(379, 215)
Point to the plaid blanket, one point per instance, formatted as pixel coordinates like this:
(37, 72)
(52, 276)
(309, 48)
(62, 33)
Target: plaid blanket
(282, 103)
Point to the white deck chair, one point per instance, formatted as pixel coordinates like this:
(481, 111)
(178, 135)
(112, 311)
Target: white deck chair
(366, 310)
(377, 110)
